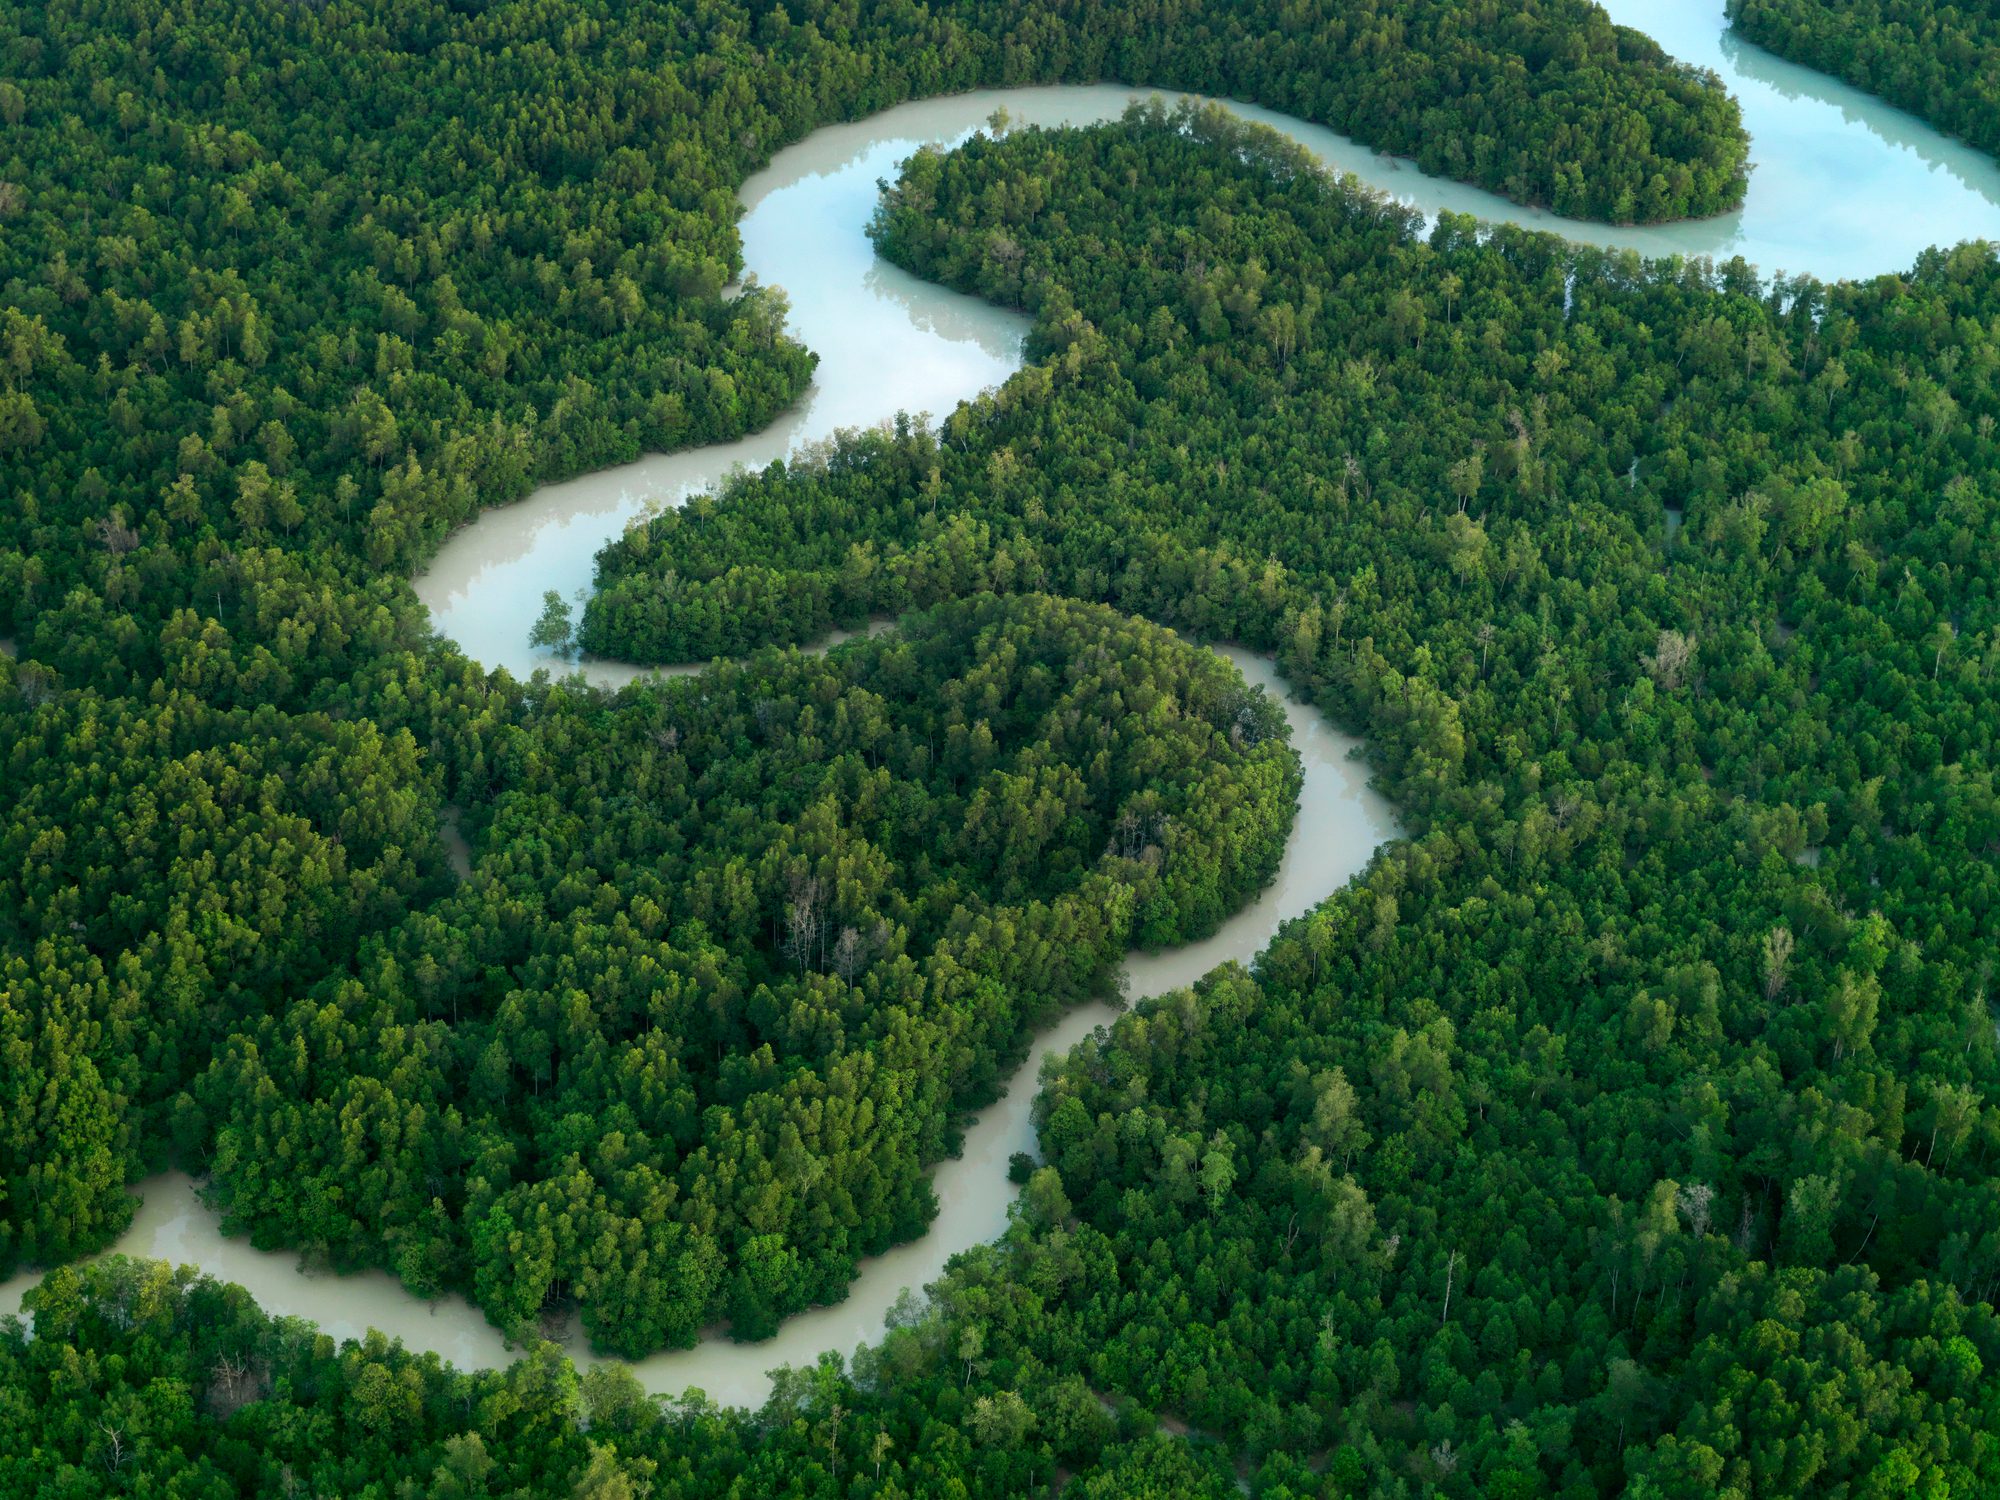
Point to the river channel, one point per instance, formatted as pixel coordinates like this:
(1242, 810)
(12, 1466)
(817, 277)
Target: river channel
(1843, 186)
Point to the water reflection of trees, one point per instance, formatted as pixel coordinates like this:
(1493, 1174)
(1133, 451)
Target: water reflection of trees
(1894, 127)
(949, 315)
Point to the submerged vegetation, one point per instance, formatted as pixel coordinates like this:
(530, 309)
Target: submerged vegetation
(1625, 1130)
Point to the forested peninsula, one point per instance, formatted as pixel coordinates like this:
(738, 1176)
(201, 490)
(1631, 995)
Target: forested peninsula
(1938, 61)
(1627, 1129)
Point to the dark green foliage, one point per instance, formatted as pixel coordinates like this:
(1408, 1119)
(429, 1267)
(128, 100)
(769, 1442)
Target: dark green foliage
(167, 868)
(1649, 1031)
(141, 1381)
(1545, 101)
(289, 291)
(1938, 61)
(1629, 1130)
(740, 948)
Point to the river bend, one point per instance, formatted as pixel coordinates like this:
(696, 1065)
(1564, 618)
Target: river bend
(1843, 186)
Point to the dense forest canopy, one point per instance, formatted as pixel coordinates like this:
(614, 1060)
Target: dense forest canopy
(742, 949)
(173, 1389)
(1650, 1031)
(1599, 1140)
(292, 290)
(1938, 61)
(1627, 1130)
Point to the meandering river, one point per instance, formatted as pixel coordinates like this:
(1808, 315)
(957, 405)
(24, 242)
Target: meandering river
(1341, 823)
(1844, 186)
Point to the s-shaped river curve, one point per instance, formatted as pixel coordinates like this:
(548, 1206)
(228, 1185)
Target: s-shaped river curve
(1844, 186)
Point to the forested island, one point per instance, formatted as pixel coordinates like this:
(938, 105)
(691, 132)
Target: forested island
(1627, 1129)
(1938, 61)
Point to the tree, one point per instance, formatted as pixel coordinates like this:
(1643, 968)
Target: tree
(1670, 659)
(551, 630)
(1001, 1420)
(1777, 961)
